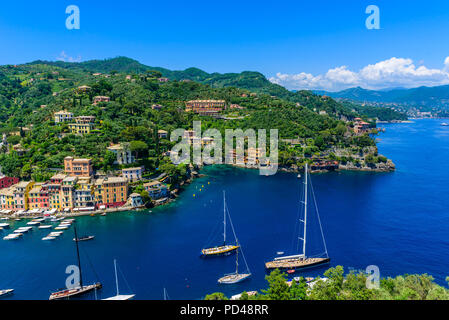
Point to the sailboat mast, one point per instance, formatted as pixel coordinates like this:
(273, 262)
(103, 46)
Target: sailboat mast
(116, 278)
(237, 262)
(78, 255)
(305, 209)
(224, 219)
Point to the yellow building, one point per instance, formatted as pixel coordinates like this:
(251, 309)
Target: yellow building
(54, 191)
(67, 192)
(34, 197)
(21, 191)
(83, 125)
(7, 198)
(81, 128)
(111, 192)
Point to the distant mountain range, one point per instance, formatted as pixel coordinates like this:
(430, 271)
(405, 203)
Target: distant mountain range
(422, 96)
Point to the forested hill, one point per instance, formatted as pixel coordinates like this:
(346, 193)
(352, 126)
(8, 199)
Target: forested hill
(250, 80)
(139, 104)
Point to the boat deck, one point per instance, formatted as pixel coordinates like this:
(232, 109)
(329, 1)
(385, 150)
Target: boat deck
(295, 263)
(219, 250)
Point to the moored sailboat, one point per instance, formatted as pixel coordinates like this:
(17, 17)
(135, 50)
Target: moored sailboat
(81, 288)
(236, 277)
(118, 296)
(301, 261)
(225, 249)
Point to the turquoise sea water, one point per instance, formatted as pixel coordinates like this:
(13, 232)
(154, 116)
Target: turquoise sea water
(398, 221)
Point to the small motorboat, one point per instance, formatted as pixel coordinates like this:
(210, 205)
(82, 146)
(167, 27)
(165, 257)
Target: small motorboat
(444, 124)
(45, 227)
(280, 253)
(7, 292)
(33, 223)
(291, 271)
(299, 176)
(48, 238)
(13, 236)
(55, 234)
(62, 228)
(4, 225)
(86, 238)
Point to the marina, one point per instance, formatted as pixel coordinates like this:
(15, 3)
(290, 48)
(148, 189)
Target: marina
(361, 214)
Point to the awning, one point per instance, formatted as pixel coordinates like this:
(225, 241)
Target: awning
(87, 209)
(67, 209)
(102, 207)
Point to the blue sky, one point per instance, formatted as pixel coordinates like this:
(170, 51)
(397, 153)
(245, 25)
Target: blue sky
(299, 44)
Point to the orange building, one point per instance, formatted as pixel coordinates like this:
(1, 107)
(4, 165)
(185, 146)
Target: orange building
(78, 167)
(206, 107)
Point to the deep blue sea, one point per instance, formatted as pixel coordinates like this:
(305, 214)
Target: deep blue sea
(398, 221)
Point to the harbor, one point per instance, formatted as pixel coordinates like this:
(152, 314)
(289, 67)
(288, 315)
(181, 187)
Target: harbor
(361, 215)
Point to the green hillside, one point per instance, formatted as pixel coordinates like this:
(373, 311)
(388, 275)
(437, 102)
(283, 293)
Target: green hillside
(32, 93)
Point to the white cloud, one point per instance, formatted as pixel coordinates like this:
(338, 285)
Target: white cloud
(64, 57)
(394, 72)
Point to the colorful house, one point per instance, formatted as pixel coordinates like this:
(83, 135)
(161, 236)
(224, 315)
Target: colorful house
(6, 182)
(78, 167)
(111, 192)
(7, 198)
(21, 192)
(156, 190)
(133, 174)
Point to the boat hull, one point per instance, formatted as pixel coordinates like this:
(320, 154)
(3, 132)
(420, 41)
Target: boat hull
(296, 264)
(219, 251)
(234, 278)
(8, 292)
(69, 293)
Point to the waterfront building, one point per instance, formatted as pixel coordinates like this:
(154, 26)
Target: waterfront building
(360, 126)
(84, 196)
(123, 152)
(111, 192)
(133, 174)
(6, 182)
(135, 200)
(54, 191)
(21, 191)
(38, 197)
(78, 167)
(156, 190)
(7, 198)
(254, 155)
(63, 116)
(67, 192)
(206, 107)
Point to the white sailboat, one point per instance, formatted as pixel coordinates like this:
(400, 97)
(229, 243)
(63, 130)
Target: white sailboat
(296, 262)
(236, 277)
(119, 296)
